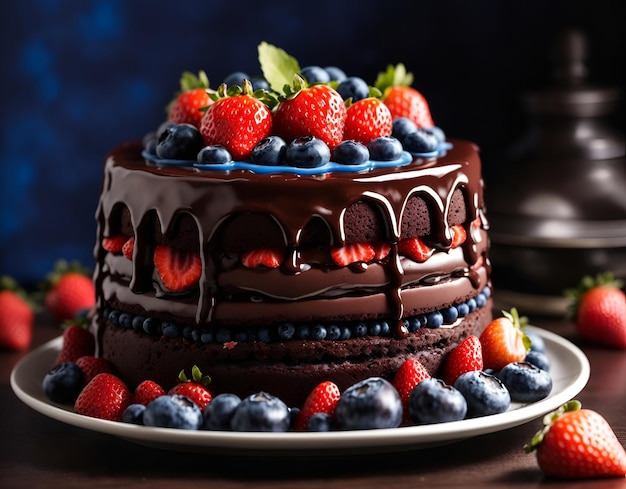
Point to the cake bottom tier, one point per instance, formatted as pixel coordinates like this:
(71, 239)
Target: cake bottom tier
(288, 369)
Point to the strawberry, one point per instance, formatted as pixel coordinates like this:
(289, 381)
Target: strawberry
(458, 235)
(401, 99)
(322, 399)
(465, 357)
(381, 250)
(114, 244)
(410, 373)
(104, 397)
(578, 443)
(178, 269)
(147, 391)
(92, 366)
(415, 248)
(352, 253)
(187, 107)
(598, 308)
(77, 342)
(16, 316)
(367, 119)
(269, 258)
(194, 388)
(128, 248)
(224, 118)
(503, 340)
(68, 290)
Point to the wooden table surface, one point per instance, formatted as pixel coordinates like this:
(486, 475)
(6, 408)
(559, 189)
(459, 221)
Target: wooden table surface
(39, 452)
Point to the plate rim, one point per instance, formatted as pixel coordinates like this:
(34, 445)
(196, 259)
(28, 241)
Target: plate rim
(298, 443)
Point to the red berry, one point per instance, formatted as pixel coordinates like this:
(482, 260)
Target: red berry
(128, 248)
(92, 366)
(577, 444)
(178, 269)
(146, 391)
(193, 96)
(367, 119)
(16, 321)
(503, 341)
(105, 397)
(458, 235)
(69, 290)
(322, 399)
(114, 244)
(465, 357)
(352, 253)
(410, 373)
(77, 342)
(269, 258)
(415, 249)
(194, 388)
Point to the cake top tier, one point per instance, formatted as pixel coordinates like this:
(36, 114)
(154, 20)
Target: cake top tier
(305, 121)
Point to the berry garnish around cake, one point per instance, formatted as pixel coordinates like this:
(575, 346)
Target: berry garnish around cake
(190, 103)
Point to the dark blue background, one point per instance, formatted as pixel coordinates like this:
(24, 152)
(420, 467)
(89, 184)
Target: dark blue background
(81, 76)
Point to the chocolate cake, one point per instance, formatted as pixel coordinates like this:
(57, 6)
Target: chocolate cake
(278, 279)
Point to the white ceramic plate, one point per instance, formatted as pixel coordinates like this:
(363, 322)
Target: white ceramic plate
(570, 373)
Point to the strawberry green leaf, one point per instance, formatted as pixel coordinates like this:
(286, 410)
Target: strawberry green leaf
(393, 76)
(277, 66)
(605, 279)
(548, 419)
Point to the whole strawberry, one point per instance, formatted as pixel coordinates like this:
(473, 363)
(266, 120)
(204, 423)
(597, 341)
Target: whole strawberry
(367, 119)
(466, 357)
(222, 122)
(503, 340)
(147, 391)
(186, 108)
(410, 373)
(322, 399)
(68, 290)
(402, 99)
(598, 308)
(194, 388)
(92, 366)
(578, 443)
(16, 317)
(77, 342)
(105, 397)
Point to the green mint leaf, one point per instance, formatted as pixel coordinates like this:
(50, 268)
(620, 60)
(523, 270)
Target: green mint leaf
(277, 66)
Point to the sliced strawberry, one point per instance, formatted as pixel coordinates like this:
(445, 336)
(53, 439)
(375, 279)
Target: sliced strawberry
(270, 258)
(410, 373)
(381, 250)
(352, 253)
(322, 399)
(128, 248)
(178, 269)
(458, 235)
(466, 357)
(114, 244)
(415, 248)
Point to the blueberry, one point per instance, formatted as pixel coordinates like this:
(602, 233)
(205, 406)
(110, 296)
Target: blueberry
(471, 304)
(360, 329)
(401, 127)
(125, 320)
(450, 314)
(270, 151)
(214, 154)
(485, 394)
(63, 383)
(462, 309)
(315, 74)
(307, 152)
(334, 332)
(170, 329)
(259, 83)
(173, 411)
(152, 326)
(351, 152)
(137, 323)
(303, 332)
(319, 422)
(525, 381)
(223, 335)
(149, 142)
(133, 414)
(218, 413)
(374, 328)
(354, 88)
(318, 332)
(372, 403)
(481, 300)
(114, 317)
(180, 142)
(286, 331)
(437, 132)
(420, 141)
(414, 324)
(434, 401)
(538, 359)
(236, 78)
(536, 342)
(335, 73)
(261, 412)
(434, 319)
(263, 335)
(385, 148)
(163, 127)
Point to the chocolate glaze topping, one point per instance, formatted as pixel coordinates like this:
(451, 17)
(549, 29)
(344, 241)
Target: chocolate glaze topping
(158, 196)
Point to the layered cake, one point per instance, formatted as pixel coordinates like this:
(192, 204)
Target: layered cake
(276, 277)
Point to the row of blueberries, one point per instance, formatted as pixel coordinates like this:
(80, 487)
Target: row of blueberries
(287, 331)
